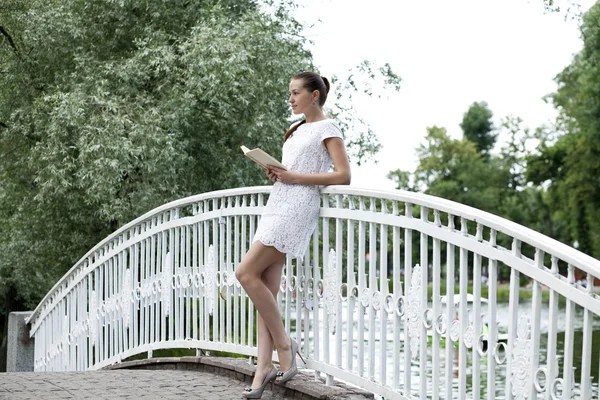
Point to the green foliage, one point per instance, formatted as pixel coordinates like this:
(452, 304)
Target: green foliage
(114, 107)
(111, 108)
(567, 159)
(477, 127)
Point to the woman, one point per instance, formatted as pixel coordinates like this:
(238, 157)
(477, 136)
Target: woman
(289, 218)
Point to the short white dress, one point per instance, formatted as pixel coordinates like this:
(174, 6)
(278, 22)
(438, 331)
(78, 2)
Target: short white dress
(292, 211)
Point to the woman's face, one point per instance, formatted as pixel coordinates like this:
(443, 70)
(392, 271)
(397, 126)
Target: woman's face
(300, 98)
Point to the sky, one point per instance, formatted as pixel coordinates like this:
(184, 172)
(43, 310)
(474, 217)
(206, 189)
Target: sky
(449, 54)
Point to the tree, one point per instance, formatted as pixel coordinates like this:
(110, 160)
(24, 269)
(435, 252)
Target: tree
(477, 127)
(111, 108)
(568, 161)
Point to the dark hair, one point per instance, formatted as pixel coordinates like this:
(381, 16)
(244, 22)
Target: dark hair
(311, 81)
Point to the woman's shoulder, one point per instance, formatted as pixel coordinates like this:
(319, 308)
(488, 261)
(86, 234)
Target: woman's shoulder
(325, 124)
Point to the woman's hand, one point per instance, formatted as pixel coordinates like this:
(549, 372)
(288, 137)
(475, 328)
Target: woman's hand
(271, 175)
(277, 174)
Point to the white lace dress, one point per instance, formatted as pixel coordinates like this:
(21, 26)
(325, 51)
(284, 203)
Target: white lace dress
(292, 211)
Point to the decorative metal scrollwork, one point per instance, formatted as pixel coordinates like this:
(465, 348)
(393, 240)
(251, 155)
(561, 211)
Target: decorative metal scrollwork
(540, 379)
(521, 360)
(93, 316)
(469, 336)
(413, 312)
(126, 298)
(400, 306)
(210, 280)
(330, 291)
(166, 281)
(441, 324)
(455, 330)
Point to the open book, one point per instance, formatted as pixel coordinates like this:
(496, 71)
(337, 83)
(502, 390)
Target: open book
(261, 158)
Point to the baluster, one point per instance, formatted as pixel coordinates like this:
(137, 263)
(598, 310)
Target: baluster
(228, 268)
(298, 300)
(568, 375)
(407, 282)
(195, 270)
(237, 299)
(136, 282)
(424, 261)
(111, 314)
(338, 282)
(222, 268)
(169, 308)
(362, 288)
(286, 294)
(316, 299)
(215, 268)
(173, 292)
(397, 288)
(178, 290)
(383, 291)
(588, 316)
(437, 309)
(104, 297)
(161, 307)
(492, 323)
(450, 313)
(513, 305)
(251, 313)
(350, 278)
(118, 315)
(372, 288)
(185, 281)
(161, 259)
(326, 327)
(307, 301)
(477, 323)
(70, 348)
(536, 303)
(240, 290)
(463, 313)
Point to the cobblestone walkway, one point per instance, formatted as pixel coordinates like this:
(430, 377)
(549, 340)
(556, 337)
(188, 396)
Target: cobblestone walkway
(123, 384)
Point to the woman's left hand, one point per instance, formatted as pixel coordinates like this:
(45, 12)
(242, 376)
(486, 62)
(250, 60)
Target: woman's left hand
(281, 175)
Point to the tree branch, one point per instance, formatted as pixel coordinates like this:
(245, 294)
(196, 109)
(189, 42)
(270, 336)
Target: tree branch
(9, 38)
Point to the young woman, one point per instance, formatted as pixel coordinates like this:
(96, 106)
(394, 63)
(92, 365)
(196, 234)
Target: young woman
(289, 219)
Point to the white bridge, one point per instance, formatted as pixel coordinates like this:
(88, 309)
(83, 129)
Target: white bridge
(365, 307)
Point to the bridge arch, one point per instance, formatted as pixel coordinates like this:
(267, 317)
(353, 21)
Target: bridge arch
(398, 293)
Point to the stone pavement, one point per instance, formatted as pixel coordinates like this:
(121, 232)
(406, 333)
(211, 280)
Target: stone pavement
(166, 378)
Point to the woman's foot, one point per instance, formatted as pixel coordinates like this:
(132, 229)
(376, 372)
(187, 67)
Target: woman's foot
(286, 374)
(261, 378)
(284, 355)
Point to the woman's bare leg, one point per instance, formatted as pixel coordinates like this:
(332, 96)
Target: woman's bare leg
(250, 275)
(272, 278)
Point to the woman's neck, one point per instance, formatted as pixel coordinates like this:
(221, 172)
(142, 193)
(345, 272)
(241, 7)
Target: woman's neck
(314, 116)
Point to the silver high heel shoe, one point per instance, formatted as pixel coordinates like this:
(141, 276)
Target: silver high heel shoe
(284, 376)
(250, 393)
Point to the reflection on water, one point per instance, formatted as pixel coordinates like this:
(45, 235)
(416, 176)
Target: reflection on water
(502, 316)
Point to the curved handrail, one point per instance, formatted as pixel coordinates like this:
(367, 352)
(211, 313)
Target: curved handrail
(517, 231)
(156, 211)
(520, 232)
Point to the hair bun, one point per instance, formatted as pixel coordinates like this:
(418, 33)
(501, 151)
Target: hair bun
(326, 81)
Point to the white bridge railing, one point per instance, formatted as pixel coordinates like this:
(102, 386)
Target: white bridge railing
(366, 302)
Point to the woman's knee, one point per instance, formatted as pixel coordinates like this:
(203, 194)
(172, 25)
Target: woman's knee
(241, 274)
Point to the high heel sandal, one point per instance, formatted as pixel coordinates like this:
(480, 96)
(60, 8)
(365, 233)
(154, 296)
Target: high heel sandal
(284, 376)
(250, 393)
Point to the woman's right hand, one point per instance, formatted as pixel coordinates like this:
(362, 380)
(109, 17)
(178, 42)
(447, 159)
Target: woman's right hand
(271, 175)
